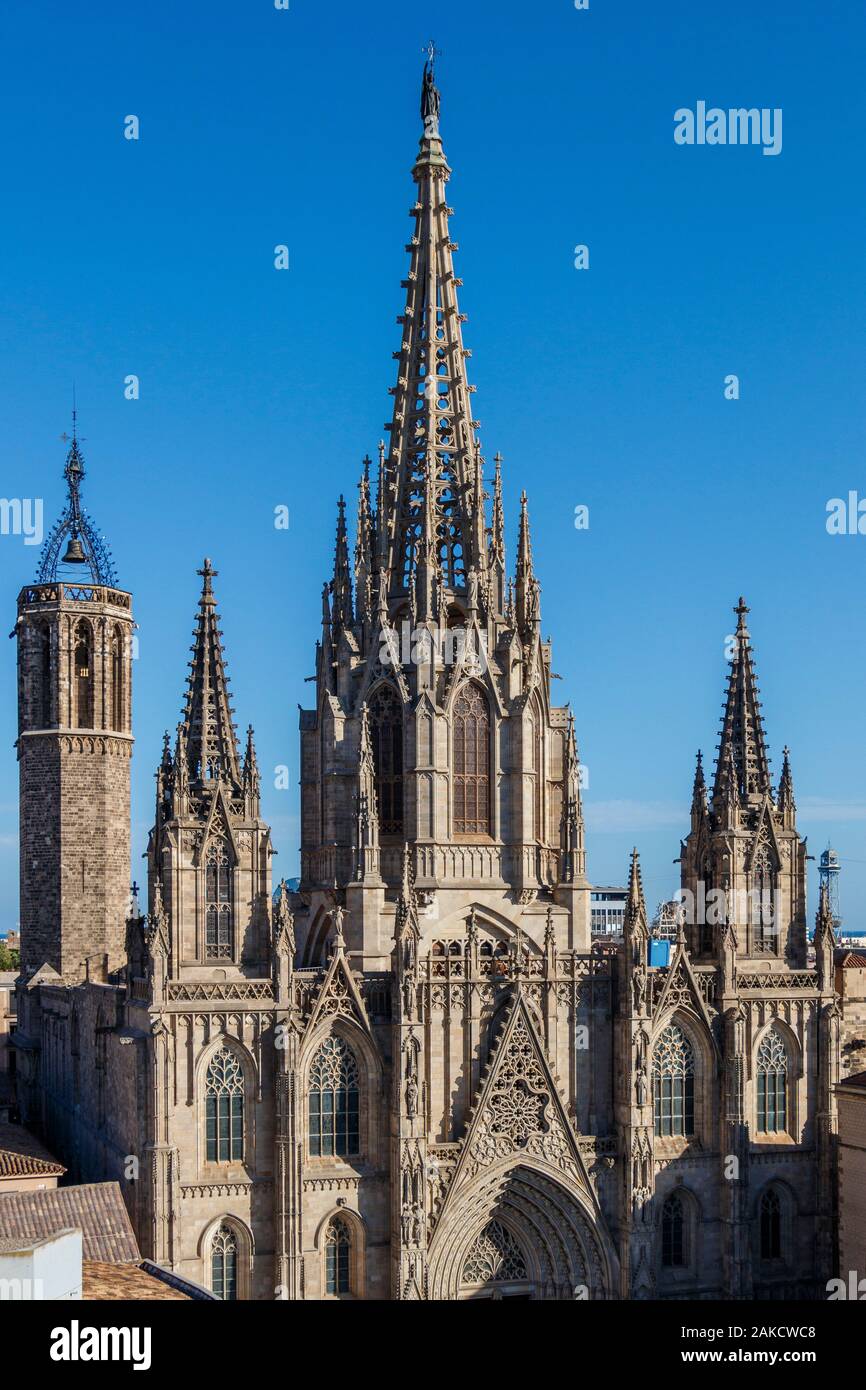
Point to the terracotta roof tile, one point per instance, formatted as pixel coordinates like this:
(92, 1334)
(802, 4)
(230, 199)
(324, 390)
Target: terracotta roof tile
(96, 1209)
(105, 1281)
(22, 1155)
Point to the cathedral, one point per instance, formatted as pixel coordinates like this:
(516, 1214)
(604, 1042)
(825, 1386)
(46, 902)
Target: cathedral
(414, 1076)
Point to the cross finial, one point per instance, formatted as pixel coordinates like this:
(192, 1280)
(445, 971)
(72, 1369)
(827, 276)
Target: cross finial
(207, 573)
(431, 52)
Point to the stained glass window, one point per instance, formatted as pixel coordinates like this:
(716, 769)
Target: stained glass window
(224, 1263)
(674, 1084)
(334, 1101)
(338, 1249)
(224, 1108)
(471, 763)
(772, 1084)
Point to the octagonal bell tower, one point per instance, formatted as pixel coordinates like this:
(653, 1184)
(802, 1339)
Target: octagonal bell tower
(74, 632)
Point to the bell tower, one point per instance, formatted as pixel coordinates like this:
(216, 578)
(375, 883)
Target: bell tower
(74, 632)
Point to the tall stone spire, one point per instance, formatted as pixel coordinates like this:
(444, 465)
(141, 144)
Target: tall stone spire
(742, 740)
(635, 923)
(785, 795)
(364, 549)
(526, 585)
(429, 486)
(208, 732)
(342, 586)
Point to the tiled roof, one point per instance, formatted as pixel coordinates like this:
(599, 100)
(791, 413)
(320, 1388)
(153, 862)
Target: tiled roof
(23, 1156)
(105, 1281)
(96, 1209)
(858, 1080)
(851, 960)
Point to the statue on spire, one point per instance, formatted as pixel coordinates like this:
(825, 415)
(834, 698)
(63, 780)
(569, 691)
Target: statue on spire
(430, 94)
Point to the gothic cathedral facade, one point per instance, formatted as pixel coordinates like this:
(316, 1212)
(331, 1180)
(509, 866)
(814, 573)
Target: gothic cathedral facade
(414, 1077)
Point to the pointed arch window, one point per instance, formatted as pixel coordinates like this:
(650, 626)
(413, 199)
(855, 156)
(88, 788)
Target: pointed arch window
(224, 1263)
(334, 1101)
(772, 1078)
(117, 680)
(43, 712)
(224, 1108)
(386, 736)
(338, 1258)
(770, 1223)
(219, 905)
(674, 1085)
(674, 1233)
(83, 668)
(764, 903)
(471, 763)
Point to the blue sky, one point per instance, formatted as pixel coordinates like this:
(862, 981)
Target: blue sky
(603, 387)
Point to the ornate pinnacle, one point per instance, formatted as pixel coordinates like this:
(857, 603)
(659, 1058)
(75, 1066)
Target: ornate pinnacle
(699, 790)
(785, 797)
(742, 747)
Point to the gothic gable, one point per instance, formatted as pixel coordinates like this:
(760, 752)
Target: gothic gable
(519, 1113)
(339, 997)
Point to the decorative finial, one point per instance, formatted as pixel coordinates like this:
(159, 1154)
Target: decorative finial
(430, 93)
(207, 573)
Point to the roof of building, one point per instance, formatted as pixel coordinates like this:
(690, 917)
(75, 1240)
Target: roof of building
(23, 1156)
(850, 960)
(105, 1281)
(858, 1080)
(96, 1209)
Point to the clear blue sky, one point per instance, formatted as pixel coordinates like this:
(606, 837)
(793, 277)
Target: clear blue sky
(602, 387)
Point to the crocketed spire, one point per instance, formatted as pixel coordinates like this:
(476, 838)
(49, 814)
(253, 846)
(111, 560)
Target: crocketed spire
(209, 739)
(742, 746)
(428, 495)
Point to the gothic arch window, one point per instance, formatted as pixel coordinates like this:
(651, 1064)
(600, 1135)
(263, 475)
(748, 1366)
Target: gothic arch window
(770, 1225)
(706, 930)
(674, 1233)
(772, 1084)
(83, 667)
(673, 1085)
(764, 902)
(471, 763)
(334, 1101)
(338, 1258)
(219, 906)
(224, 1108)
(495, 1257)
(43, 712)
(224, 1262)
(534, 766)
(117, 680)
(386, 734)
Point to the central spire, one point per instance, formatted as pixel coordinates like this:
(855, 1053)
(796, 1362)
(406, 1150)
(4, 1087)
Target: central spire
(742, 751)
(428, 490)
(211, 748)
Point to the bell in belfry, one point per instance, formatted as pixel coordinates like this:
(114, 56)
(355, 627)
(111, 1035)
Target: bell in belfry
(74, 552)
